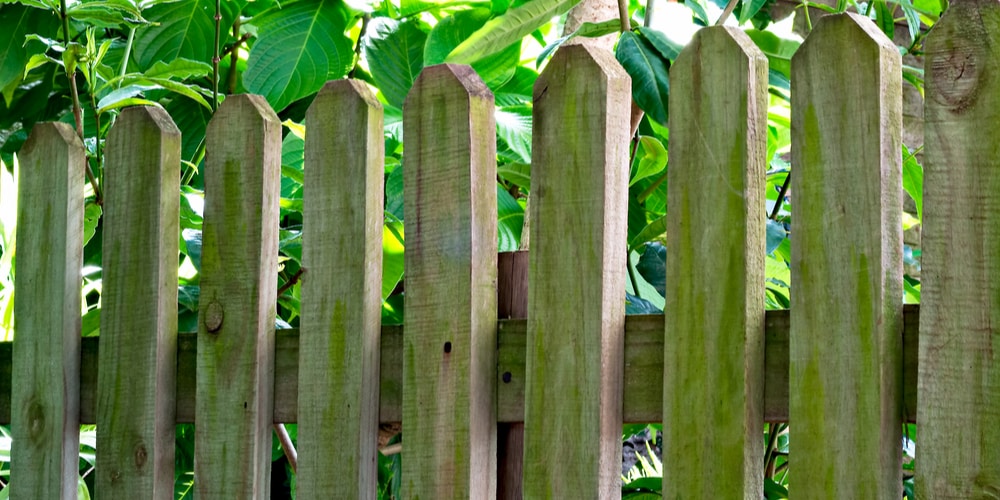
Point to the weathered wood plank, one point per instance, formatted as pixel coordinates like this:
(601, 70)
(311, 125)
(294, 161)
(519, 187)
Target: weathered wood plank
(959, 380)
(136, 388)
(235, 362)
(576, 315)
(846, 405)
(449, 356)
(46, 358)
(512, 302)
(713, 367)
(341, 294)
(643, 389)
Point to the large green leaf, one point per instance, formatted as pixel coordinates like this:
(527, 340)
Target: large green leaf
(510, 220)
(181, 29)
(451, 31)
(502, 31)
(395, 54)
(749, 8)
(913, 180)
(514, 128)
(591, 30)
(298, 49)
(18, 21)
(648, 69)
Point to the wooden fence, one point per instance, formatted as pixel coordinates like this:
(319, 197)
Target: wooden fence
(840, 365)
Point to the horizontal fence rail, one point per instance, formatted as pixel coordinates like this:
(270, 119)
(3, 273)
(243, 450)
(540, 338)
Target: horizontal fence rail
(841, 364)
(641, 389)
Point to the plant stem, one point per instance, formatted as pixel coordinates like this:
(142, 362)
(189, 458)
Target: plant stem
(234, 56)
(781, 197)
(623, 17)
(77, 110)
(631, 275)
(291, 281)
(128, 53)
(357, 47)
(215, 55)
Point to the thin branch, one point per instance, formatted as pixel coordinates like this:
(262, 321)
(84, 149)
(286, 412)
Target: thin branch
(725, 13)
(231, 50)
(287, 446)
(291, 281)
(781, 197)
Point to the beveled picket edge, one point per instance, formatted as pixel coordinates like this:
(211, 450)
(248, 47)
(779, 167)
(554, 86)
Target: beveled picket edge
(135, 430)
(449, 350)
(643, 371)
(576, 315)
(959, 379)
(236, 309)
(845, 405)
(714, 314)
(45, 446)
(340, 296)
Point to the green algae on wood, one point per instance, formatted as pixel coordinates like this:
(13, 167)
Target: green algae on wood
(959, 370)
(138, 356)
(341, 294)
(713, 369)
(237, 304)
(449, 349)
(576, 311)
(845, 342)
(45, 380)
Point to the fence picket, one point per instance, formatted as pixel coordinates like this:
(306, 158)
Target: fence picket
(959, 369)
(237, 304)
(46, 358)
(714, 312)
(449, 346)
(138, 356)
(845, 406)
(341, 295)
(576, 311)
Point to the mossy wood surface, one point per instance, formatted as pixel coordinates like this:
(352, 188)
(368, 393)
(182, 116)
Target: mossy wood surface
(643, 389)
(845, 404)
(237, 305)
(341, 294)
(576, 315)
(46, 366)
(959, 412)
(138, 360)
(713, 367)
(449, 350)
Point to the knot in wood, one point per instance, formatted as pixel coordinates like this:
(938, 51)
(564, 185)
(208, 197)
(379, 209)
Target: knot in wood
(140, 455)
(213, 317)
(956, 73)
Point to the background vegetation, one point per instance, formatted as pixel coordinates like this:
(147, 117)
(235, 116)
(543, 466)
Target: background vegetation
(82, 61)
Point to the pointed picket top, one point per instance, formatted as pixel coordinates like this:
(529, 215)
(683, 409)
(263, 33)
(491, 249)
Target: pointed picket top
(358, 88)
(444, 76)
(603, 62)
(714, 315)
(958, 410)
(251, 105)
(45, 395)
(847, 194)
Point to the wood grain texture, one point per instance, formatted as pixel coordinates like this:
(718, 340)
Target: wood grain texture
(643, 389)
(46, 358)
(576, 315)
(341, 301)
(959, 378)
(135, 406)
(847, 239)
(512, 302)
(449, 350)
(235, 359)
(714, 310)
